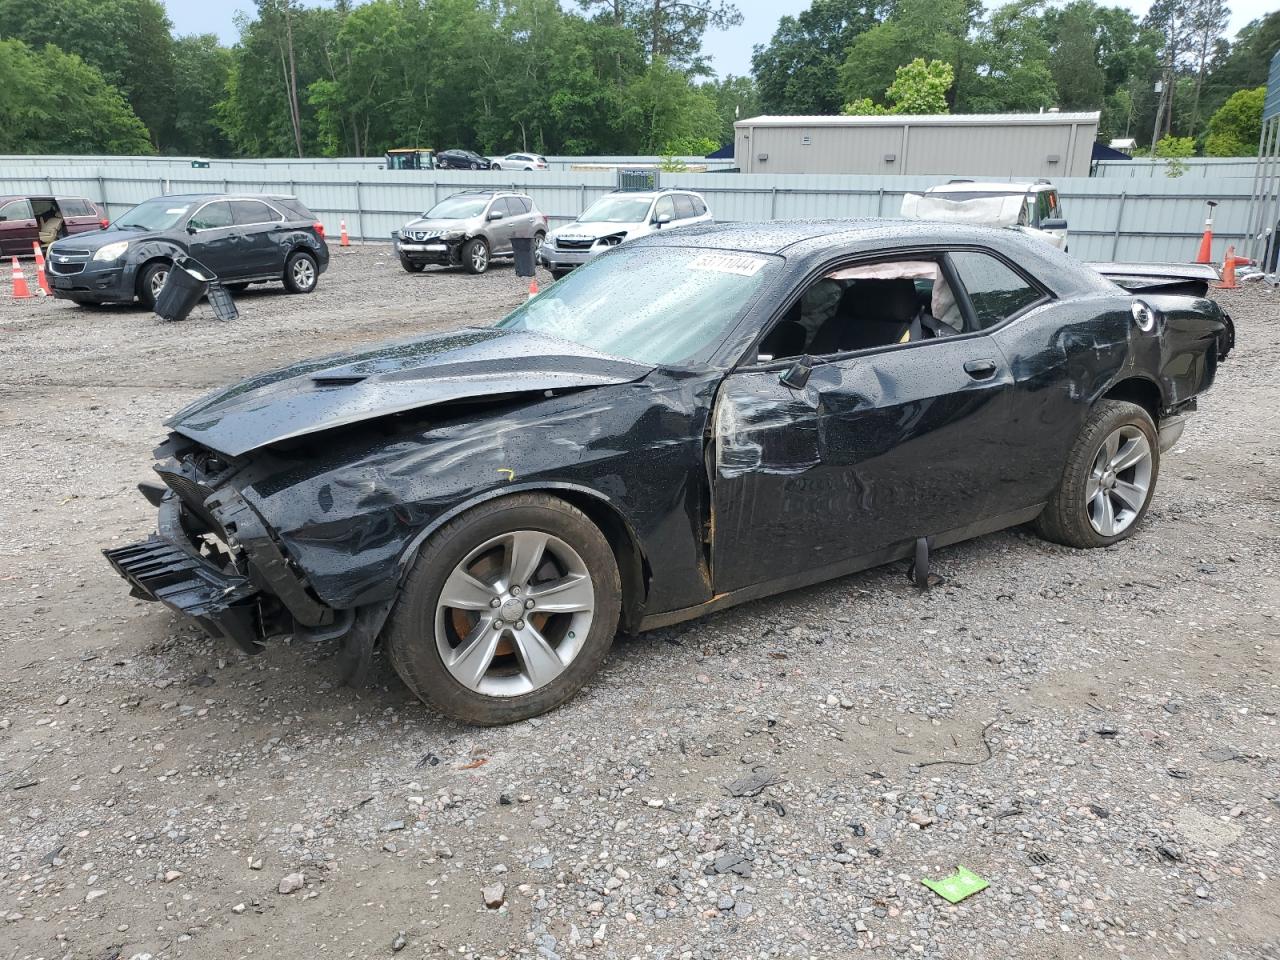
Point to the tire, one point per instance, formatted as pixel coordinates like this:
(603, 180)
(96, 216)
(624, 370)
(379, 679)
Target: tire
(496, 166)
(300, 272)
(538, 239)
(150, 281)
(474, 165)
(559, 274)
(410, 266)
(504, 688)
(1094, 505)
(236, 287)
(475, 255)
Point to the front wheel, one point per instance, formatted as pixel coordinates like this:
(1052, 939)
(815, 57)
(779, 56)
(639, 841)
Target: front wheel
(496, 166)
(410, 266)
(507, 610)
(300, 273)
(1108, 481)
(475, 255)
(151, 283)
(558, 274)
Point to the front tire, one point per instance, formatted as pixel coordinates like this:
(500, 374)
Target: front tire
(496, 166)
(1109, 479)
(474, 165)
(475, 255)
(151, 282)
(507, 611)
(410, 266)
(300, 272)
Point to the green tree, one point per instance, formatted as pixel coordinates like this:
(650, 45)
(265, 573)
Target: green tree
(1244, 64)
(918, 88)
(662, 106)
(201, 68)
(737, 98)
(794, 72)
(1008, 64)
(1174, 151)
(1236, 128)
(128, 41)
(671, 30)
(1077, 67)
(53, 102)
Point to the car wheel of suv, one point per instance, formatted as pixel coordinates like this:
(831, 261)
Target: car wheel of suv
(1109, 478)
(475, 255)
(411, 266)
(539, 239)
(507, 610)
(151, 282)
(300, 273)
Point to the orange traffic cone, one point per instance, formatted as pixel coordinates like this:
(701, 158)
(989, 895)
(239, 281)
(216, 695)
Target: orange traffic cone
(533, 288)
(1206, 241)
(1229, 264)
(20, 289)
(345, 242)
(42, 279)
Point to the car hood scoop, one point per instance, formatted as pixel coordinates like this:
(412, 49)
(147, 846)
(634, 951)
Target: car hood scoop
(343, 389)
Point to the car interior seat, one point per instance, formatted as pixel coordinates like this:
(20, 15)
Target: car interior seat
(50, 229)
(871, 313)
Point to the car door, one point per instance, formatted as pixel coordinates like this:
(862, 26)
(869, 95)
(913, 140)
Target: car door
(878, 447)
(18, 228)
(215, 240)
(261, 226)
(500, 230)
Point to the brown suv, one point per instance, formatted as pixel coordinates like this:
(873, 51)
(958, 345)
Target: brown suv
(26, 219)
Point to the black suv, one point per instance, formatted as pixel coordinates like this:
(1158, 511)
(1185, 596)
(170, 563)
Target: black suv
(243, 239)
(462, 160)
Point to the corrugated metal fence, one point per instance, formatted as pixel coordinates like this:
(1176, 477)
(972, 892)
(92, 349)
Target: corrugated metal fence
(1196, 168)
(1110, 219)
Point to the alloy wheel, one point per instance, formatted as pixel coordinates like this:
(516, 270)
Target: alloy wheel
(304, 273)
(157, 282)
(479, 257)
(514, 613)
(1119, 481)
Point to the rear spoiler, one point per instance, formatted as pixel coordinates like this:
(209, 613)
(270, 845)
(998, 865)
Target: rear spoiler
(1192, 279)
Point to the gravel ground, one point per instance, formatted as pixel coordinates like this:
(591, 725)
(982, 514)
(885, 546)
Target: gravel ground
(1106, 720)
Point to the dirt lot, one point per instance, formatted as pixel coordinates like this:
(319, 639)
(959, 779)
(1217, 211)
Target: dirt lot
(1108, 718)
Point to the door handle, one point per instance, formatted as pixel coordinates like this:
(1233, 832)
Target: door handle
(980, 369)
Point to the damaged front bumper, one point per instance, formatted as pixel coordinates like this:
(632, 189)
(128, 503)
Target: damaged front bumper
(213, 559)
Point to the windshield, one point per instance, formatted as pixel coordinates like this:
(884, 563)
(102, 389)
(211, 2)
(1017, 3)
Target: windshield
(457, 208)
(159, 214)
(656, 306)
(958, 196)
(617, 210)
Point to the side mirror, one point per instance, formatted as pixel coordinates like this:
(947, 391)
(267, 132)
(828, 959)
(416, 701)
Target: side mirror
(495, 215)
(797, 375)
(191, 229)
(662, 218)
(1053, 224)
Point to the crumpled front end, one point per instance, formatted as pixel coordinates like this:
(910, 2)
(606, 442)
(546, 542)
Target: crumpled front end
(213, 558)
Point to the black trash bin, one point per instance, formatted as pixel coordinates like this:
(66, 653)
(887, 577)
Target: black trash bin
(188, 281)
(523, 248)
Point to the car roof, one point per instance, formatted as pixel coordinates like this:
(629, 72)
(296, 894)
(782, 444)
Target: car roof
(649, 193)
(776, 236)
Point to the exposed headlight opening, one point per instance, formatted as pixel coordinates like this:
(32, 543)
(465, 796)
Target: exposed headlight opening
(112, 251)
(612, 240)
(1143, 315)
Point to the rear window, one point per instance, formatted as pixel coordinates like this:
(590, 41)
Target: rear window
(684, 206)
(997, 291)
(75, 207)
(252, 211)
(293, 208)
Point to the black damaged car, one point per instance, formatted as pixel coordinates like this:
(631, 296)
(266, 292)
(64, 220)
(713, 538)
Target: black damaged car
(243, 239)
(689, 421)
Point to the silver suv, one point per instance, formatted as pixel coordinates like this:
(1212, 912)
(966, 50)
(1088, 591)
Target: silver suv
(469, 229)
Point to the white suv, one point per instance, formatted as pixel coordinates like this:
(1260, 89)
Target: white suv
(618, 216)
(1033, 208)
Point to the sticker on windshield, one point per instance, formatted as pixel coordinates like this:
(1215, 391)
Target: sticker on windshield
(176, 210)
(742, 265)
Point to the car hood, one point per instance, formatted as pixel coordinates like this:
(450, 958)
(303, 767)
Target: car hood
(424, 223)
(100, 238)
(343, 389)
(591, 231)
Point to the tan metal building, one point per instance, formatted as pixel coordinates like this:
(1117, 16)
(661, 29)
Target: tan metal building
(989, 145)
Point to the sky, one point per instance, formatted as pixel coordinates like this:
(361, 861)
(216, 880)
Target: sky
(730, 50)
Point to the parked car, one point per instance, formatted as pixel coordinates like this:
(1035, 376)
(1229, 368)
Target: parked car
(461, 160)
(519, 161)
(469, 229)
(242, 238)
(692, 420)
(24, 220)
(1033, 208)
(410, 158)
(618, 216)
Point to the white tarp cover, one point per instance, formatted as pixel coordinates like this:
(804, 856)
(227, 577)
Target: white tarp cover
(1000, 210)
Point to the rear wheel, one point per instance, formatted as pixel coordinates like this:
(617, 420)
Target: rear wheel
(300, 273)
(507, 610)
(475, 255)
(1109, 479)
(474, 165)
(151, 282)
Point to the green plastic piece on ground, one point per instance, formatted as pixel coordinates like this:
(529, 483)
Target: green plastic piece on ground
(963, 883)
